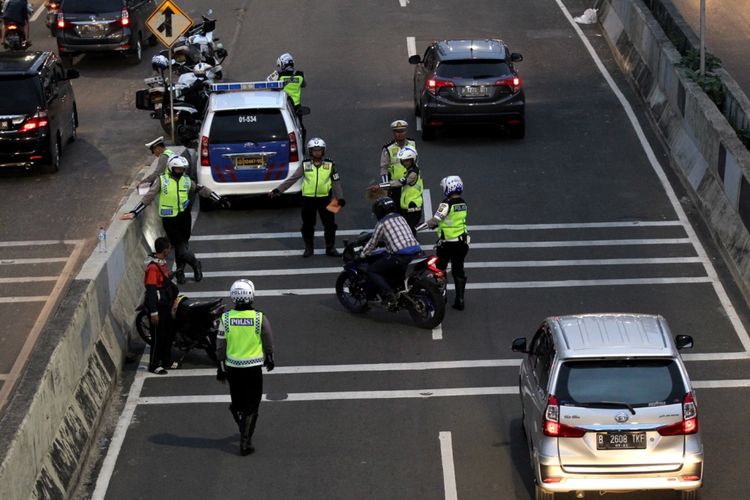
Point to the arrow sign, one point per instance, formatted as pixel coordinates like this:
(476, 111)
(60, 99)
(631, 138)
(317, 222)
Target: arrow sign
(168, 23)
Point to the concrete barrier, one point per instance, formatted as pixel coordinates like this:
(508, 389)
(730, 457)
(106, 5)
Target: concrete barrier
(55, 409)
(710, 158)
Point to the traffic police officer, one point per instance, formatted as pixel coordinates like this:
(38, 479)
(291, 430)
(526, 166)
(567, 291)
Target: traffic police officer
(174, 191)
(244, 344)
(162, 154)
(411, 187)
(320, 180)
(294, 79)
(453, 243)
(390, 166)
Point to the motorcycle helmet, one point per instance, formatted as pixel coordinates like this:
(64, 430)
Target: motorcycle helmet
(383, 207)
(316, 142)
(159, 62)
(177, 162)
(201, 69)
(452, 185)
(407, 153)
(284, 62)
(242, 292)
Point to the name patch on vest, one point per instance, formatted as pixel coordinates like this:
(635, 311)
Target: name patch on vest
(242, 322)
(459, 207)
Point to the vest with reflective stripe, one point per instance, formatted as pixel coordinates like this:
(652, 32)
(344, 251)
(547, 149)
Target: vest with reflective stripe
(293, 86)
(317, 182)
(168, 153)
(174, 196)
(412, 194)
(242, 331)
(454, 225)
(395, 168)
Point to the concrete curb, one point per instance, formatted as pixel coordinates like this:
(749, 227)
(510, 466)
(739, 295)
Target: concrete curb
(712, 162)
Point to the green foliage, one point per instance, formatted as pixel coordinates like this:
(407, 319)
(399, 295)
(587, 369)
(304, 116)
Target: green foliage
(692, 60)
(711, 85)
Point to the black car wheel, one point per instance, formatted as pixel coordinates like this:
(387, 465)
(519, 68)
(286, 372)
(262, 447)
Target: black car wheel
(137, 53)
(73, 126)
(54, 156)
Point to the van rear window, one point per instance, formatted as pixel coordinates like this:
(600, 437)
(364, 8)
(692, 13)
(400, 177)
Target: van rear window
(92, 6)
(25, 93)
(248, 125)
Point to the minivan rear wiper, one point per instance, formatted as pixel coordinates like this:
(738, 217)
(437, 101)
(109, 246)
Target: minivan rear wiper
(616, 404)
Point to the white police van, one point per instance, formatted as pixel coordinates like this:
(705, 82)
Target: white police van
(251, 139)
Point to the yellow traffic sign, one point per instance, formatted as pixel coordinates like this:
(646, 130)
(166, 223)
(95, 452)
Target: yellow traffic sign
(168, 23)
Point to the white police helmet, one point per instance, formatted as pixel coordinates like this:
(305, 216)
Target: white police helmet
(285, 61)
(242, 292)
(451, 185)
(177, 162)
(159, 62)
(201, 69)
(407, 153)
(316, 142)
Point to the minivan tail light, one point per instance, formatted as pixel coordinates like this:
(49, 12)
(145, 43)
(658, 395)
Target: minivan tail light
(433, 85)
(689, 422)
(204, 152)
(552, 425)
(60, 20)
(35, 122)
(512, 82)
(124, 18)
(293, 151)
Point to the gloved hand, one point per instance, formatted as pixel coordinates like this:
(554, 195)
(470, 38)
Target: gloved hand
(274, 193)
(269, 364)
(342, 202)
(221, 373)
(422, 226)
(225, 203)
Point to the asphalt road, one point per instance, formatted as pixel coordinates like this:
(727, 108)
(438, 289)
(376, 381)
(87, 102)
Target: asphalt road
(727, 33)
(574, 218)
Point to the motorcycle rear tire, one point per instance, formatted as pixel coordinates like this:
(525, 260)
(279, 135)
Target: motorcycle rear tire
(433, 306)
(143, 325)
(345, 283)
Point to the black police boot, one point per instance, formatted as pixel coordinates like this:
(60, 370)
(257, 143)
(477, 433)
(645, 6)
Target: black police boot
(332, 252)
(197, 271)
(460, 283)
(308, 247)
(179, 275)
(247, 428)
(235, 415)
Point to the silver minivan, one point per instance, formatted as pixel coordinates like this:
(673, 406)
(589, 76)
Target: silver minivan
(608, 406)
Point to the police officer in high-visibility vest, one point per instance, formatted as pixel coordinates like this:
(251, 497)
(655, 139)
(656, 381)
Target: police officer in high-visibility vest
(453, 243)
(411, 187)
(244, 344)
(390, 166)
(320, 181)
(294, 79)
(174, 190)
(162, 154)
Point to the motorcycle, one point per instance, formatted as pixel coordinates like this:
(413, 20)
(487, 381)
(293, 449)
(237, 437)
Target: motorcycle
(421, 290)
(196, 325)
(14, 37)
(51, 19)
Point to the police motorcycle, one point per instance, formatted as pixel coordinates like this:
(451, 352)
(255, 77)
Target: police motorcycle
(420, 290)
(191, 94)
(196, 325)
(202, 36)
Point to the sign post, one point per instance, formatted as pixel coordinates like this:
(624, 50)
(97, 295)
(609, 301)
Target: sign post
(168, 23)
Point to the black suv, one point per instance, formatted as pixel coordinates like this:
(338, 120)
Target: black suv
(38, 115)
(468, 81)
(104, 26)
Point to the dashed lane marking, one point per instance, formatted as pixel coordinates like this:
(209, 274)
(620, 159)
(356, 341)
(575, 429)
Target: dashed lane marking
(13, 300)
(28, 279)
(37, 13)
(437, 333)
(411, 46)
(449, 470)
(11, 262)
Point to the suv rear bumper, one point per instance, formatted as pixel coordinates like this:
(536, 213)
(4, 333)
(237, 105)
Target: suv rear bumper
(244, 188)
(504, 111)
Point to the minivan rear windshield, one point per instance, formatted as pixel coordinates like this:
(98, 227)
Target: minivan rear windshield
(91, 6)
(636, 382)
(248, 125)
(26, 96)
(473, 70)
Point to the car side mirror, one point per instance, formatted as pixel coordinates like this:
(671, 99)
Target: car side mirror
(683, 342)
(519, 345)
(516, 57)
(71, 74)
(303, 110)
(415, 59)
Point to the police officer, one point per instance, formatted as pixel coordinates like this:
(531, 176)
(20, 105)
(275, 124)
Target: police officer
(320, 180)
(453, 242)
(390, 166)
(294, 79)
(174, 190)
(160, 294)
(162, 153)
(244, 344)
(410, 186)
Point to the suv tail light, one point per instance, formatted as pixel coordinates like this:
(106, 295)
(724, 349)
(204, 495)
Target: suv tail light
(204, 152)
(293, 152)
(39, 120)
(124, 18)
(689, 422)
(552, 425)
(60, 20)
(513, 82)
(433, 85)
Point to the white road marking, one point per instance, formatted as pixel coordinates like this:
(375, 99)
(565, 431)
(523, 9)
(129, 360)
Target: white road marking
(437, 332)
(11, 262)
(721, 384)
(403, 3)
(659, 171)
(16, 300)
(36, 243)
(37, 13)
(419, 123)
(715, 356)
(449, 471)
(411, 46)
(29, 279)
(427, 204)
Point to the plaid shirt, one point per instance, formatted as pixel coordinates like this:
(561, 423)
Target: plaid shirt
(395, 231)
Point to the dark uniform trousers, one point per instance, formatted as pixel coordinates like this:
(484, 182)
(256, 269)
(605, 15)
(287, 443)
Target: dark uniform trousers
(178, 232)
(453, 252)
(310, 206)
(245, 388)
(412, 218)
(163, 336)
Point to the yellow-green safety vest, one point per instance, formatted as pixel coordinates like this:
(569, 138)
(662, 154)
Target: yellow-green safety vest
(412, 194)
(395, 168)
(242, 331)
(454, 225)
(174, 196)
(293, 86)
(168, 153)
(317, 182)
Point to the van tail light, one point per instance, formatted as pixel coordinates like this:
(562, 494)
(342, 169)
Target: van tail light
(204, 152)
(293, 151)
(552, 425)
(512, 82)
(60, 20)
(124, 18)
(689, 422)
(53, 6)
(39, 120)
(432, 266)
(433, 85)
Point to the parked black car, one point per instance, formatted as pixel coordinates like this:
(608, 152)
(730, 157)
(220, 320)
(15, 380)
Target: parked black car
(104, 26)
(468, 81)
(38, 115)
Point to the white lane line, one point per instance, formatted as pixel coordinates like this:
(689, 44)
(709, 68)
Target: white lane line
(477, 227)
(16, 300)
(11, 262)
(37, 13)
(419, 123)
(662, 176)
(501, 285)
(403, 3)
(411, 46)
(449, 471)
(427, 204)
(30, 279)
(715, 356)
(36, 243)
(437, 332)
(721, 384)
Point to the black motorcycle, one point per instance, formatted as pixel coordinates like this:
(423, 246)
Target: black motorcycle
(51, 19)
(196, 324)
(15, 39)
(421, 290)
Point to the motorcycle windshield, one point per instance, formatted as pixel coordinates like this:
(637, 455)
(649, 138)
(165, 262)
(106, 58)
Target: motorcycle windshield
(248, 146)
